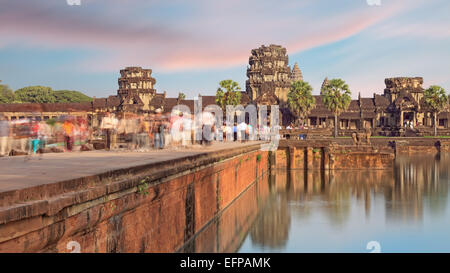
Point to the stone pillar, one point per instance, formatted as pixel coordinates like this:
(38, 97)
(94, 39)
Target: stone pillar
(326, 158)
(273, 159)
(309, 158)
(401, 118)
(292, 158)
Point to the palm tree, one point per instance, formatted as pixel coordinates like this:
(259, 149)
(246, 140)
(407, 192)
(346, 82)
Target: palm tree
(436, 100)
(300, 99)
(228, 93)
(336, 97)
(181, 96)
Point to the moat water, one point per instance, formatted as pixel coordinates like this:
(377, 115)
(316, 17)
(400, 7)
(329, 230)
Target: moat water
(406, 209)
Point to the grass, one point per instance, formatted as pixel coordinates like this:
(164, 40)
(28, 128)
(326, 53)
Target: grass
(436, 136)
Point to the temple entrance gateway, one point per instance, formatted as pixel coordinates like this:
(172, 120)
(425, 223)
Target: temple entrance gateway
(408, 117)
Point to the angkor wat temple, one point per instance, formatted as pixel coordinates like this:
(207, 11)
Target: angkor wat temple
(269, 81)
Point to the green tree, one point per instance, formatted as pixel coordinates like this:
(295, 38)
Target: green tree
(43, 94)
(228, 94)
(6, 94)
(181, 96)
(70, 96)
(300, 99)
(35, 94)
(436, 100)
(336, 97)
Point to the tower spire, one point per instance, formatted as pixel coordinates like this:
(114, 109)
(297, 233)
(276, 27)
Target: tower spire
(296, 73)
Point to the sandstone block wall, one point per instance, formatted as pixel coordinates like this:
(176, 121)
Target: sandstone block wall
(142, 213)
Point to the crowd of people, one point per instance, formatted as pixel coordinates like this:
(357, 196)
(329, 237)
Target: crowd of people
(30, 135)
(176, 130)
(128, 131)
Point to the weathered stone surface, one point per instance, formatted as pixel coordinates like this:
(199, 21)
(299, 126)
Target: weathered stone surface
(268, 72)
(321, 156)
(146, 212)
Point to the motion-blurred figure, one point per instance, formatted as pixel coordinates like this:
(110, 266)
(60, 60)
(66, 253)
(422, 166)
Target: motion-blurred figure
(158, 130)
(108, 125)
(5, 135)
(68, 134)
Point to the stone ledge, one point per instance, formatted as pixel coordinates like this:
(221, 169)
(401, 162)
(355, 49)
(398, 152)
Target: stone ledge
(50, 199)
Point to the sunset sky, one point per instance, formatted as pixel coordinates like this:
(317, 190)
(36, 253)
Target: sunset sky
(193, 44)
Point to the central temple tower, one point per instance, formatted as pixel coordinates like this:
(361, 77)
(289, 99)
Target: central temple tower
(268, 73)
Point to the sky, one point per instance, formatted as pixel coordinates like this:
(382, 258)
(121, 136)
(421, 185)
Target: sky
(191, 45)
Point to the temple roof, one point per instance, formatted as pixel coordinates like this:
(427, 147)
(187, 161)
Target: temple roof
(367, 104)
(381, 101)
(353, 106)
(320, 110)
(45, 107)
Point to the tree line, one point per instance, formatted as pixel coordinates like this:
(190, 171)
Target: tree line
(40, 94)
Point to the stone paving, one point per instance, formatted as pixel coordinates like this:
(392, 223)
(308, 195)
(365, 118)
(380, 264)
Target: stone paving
(18, 173)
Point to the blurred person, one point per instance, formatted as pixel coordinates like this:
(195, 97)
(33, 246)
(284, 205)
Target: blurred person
(108, 126)
(21, 133)
(187, 130)
(131, 130)
(141, 135)
(250, 134)
(44, 133)
(84, 130)
(68, 128)
(121, 128)
(228, 130)
(5, 135)
(207, 128)
(176, 128)
(76, 132)
(148, 133)
(158, 127)
(32, 138)
(241, 129)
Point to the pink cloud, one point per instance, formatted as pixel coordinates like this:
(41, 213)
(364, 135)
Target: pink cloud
(215, 35)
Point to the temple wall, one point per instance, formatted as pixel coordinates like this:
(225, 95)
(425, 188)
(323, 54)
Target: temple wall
(139, 213)
(333, 158)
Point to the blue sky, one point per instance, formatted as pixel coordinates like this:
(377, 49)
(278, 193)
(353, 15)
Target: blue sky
(192, 45)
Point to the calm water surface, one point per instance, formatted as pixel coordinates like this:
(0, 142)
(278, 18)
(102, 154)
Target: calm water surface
(406, 209)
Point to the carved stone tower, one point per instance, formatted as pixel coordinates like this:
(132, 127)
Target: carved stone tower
(296, 74)
(268, 72)
(325, 82)
(395, 87)
(136, 87)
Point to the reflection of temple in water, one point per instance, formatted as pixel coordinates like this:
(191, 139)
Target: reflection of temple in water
(418, 180)
(272, 225)
(415, 187)
(415, 183)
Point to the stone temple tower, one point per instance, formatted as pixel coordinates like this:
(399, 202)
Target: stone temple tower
(296, 74)
(136, 87)
(268, 73)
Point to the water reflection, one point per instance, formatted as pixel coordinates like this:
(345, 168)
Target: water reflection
(405, 209)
